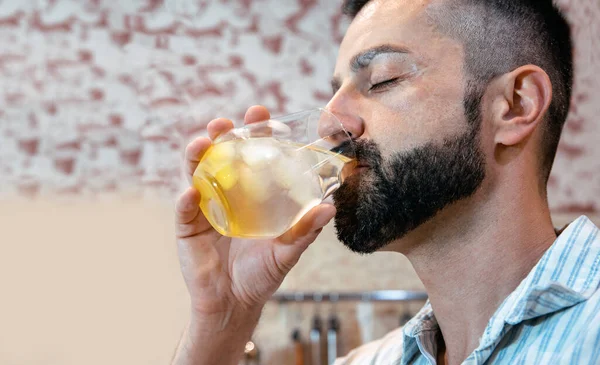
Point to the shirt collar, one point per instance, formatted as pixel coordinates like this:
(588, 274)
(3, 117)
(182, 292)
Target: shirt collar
(424, 323)
(568, 273)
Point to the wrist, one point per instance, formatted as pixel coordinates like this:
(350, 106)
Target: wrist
(236, 320)
(212, 340)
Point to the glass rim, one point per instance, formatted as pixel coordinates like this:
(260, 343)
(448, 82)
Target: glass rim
(284, 119)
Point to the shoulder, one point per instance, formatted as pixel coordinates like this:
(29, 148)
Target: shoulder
(387, 350)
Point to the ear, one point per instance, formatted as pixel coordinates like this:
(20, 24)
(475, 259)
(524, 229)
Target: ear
(526, 94)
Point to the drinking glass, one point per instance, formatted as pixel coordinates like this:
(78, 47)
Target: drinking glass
(257, 181)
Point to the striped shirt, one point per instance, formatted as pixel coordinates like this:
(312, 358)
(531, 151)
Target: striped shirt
(553, 317)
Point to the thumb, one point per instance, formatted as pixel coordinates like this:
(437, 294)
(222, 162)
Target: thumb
(295, 241)
(310, 225)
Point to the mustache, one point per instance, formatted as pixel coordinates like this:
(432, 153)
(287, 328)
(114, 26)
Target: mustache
(365, 152)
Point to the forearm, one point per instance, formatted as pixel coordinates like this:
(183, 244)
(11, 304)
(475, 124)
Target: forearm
(206, 344)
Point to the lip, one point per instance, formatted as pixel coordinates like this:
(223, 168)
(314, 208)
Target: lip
(360, 165)
(353, 169)
(359, 169)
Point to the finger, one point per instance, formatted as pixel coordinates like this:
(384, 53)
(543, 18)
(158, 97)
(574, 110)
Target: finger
(187, 207)
(309, 226)
(193, 154)
(217, 127)
(188, 217)
(256, 113)
(297, 239)
(195, 239)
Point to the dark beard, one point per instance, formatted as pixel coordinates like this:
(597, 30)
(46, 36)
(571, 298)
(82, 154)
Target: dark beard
(396, 195)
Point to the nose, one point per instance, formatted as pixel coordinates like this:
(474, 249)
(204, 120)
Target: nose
(345, 108)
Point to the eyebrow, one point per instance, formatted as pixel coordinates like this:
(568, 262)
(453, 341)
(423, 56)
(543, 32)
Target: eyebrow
(364, 59)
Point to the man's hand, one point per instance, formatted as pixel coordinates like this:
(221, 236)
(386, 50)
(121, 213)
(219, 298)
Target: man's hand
(230, 280)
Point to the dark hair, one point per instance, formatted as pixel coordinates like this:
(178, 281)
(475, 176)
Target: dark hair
(502, 35)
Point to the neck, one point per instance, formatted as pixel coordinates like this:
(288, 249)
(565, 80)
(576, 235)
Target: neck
(471, 258)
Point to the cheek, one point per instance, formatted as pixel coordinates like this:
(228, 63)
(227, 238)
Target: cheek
(411, 116)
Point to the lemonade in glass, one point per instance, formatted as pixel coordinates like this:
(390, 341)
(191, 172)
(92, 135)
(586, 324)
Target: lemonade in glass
(259, 180)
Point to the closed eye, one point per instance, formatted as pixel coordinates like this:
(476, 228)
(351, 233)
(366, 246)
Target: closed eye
(384, 84)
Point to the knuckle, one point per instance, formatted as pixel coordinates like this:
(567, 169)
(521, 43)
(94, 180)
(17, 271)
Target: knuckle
(185, 230)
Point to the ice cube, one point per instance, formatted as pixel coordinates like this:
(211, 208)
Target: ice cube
(259, 153)
(219, 156)
(223, 152)
(286, 171)
(305, 192)
(227, 177)
(307, 155)
(256, 184)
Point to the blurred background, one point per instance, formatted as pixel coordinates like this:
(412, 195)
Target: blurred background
(98, 100)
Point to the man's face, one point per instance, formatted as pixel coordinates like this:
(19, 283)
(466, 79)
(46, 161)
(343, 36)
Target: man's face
(399, 89)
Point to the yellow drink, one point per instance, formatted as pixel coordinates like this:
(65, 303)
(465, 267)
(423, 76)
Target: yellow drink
(261, 187)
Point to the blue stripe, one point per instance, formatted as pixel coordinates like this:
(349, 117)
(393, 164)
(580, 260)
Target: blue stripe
(567, 331)
(593, 271)
(547, 329)
(582, 256)
(410, 351)
(536, 330)
(537, 275)
(562, 294)
(567, 250)
(514, 331)
(530, 312)
(546, 303)
(577, 354)
(522, 341)
(541, 268)
(596, 352)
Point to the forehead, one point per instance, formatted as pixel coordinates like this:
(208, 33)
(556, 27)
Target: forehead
(404, 23)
